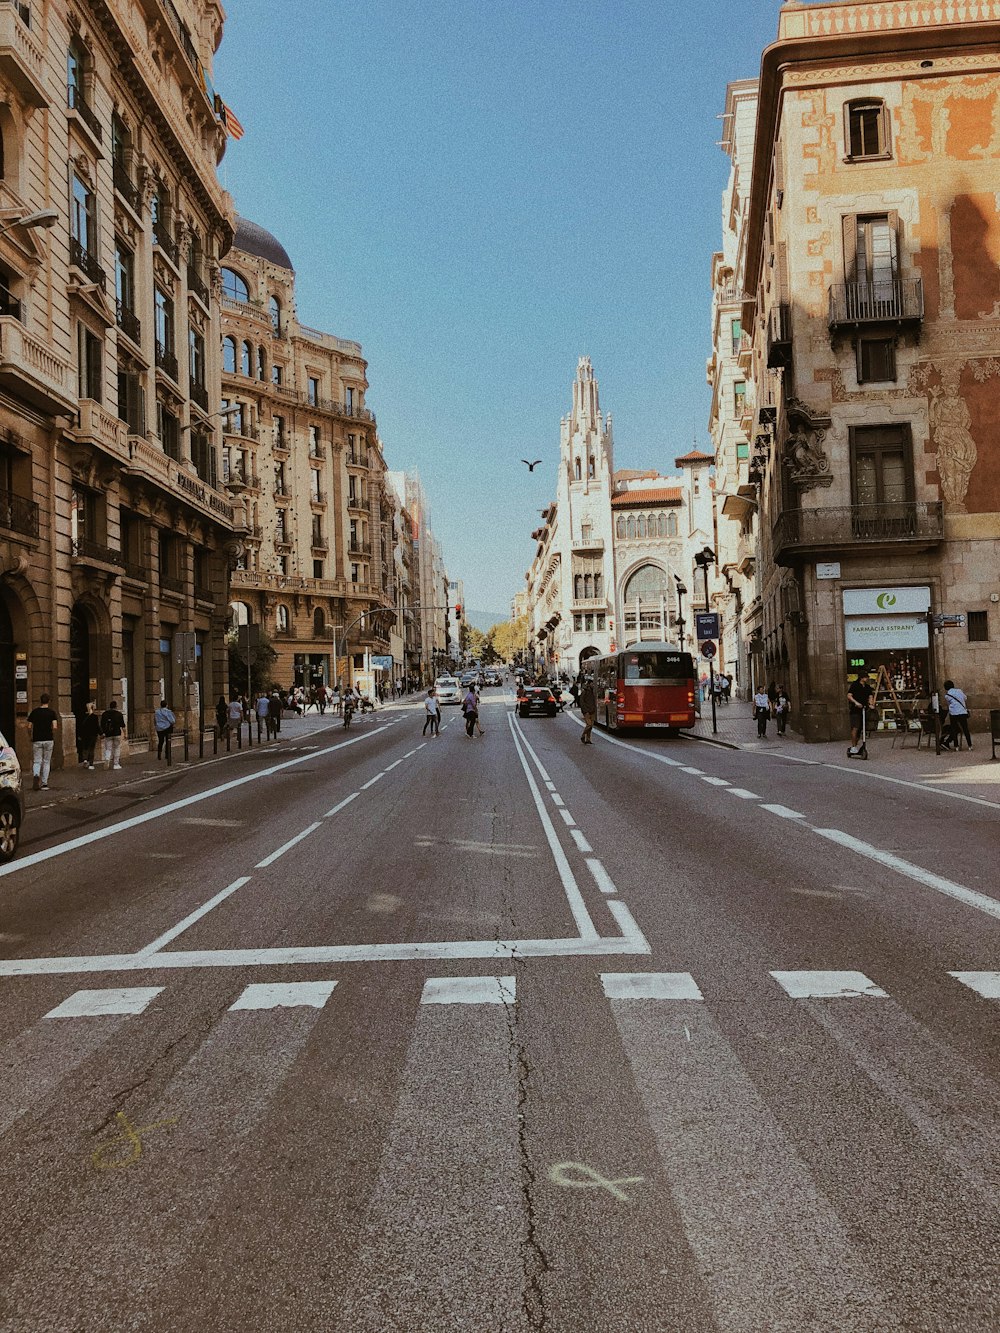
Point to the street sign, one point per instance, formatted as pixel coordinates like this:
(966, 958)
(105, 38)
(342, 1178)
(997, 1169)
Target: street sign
(949, 622)
(706, 625)
(708, 650)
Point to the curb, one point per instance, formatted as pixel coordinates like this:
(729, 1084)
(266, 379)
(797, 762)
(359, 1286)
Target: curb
(711, 740)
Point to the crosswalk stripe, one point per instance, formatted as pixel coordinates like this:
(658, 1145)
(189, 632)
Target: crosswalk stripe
(650, 986)
(118, 1000)
(986, 984)
(285, 995)
(827, 985)
(468, 990)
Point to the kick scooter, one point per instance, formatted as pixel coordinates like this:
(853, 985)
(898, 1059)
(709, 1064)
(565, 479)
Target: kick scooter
(862, 751)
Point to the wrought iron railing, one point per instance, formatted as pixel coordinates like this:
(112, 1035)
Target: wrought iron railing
(85, 549)
(77, 100)
(199, 395)
(166, 361)
(779, 335)
(128, 322)
(844, 525)
(165, 242)
(896, 300)
(360, 549)
(125, 186)
(171, 583)
(9, 304)
(317, 497)
(82, 259)
(135, 570)
(197, 284)
(18, 514)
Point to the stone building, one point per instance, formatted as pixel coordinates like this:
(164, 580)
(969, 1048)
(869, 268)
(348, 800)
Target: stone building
(115, 538)
(611, 543)
(405, 638)
(302, 455)
(431, 587)
(871, 243)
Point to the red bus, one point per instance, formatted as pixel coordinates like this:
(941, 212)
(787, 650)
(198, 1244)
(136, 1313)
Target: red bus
(647, 685)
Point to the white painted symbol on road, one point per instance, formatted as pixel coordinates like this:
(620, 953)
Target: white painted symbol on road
(586, 1178)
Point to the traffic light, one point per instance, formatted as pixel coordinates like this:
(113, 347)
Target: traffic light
(458, 610)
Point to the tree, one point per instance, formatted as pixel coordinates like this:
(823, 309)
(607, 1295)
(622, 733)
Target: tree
(475, 643)
(262, 660)
(508, 637)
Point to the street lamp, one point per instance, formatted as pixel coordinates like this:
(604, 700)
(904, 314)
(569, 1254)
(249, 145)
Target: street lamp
(681, 594)
(42, 217)
(703, 559)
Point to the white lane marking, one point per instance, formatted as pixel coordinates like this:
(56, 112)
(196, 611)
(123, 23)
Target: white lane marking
(648, 754)
(468, 990)
(865, 771)
(783, 811)
(551, 785)
(285, 995)
(212, 823)
(567, 818)
(340, 804)
(715, 782)
(285, 847)
(698, 772)
(196, 915)
(586, 927)
(60, 849)
(744, 794)
(986, 984)
(395, 765)
(546, 778)
(650, 986)
(970, 897)
(410, 753)
(827, 985)
(90, 1003)
(580, 840)
(601, 877)
(371, 781)
(420, 746)
(557, 799)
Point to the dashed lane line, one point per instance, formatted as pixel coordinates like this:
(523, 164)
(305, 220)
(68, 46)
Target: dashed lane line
(286, 847)
(163, 940)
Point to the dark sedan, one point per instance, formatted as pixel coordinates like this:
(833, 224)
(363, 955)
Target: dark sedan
(537, 699)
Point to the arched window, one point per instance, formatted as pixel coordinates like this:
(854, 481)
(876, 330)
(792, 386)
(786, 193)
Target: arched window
(671, 525)
(640, 526)
(246, 360)
(319, 622)
(233, 286)
(648, 584)
(630, 527)
(620, 526)
(578, 472)
(229, 356)
(274, 305)
(590, 466)
(261, 364)
(281, 619)
(661, 525)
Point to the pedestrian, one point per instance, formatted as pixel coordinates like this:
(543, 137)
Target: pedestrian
(432, 709)
(348, 706)
(262, 708)
(859, 694)
(471, 711)
(43, 723)
(958, 717)
(728, 687)
(235, 714)
(480, 730)
(772, 695)
(761, 710)
(336, 701)
(274, 712)
(321, 699)
(163, 721)
(588, 707)
(222, 716)
(113, 728)
(88, 733)
(574, 691)
(781, 709)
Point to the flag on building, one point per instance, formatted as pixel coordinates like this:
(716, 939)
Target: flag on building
(229, 119)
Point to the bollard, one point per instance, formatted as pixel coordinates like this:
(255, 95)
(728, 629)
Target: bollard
(185, 735)
(239, 735)
(215, 740)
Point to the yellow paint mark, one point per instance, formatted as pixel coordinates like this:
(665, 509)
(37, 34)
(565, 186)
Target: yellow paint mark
(130, 1138)
(584, 1177)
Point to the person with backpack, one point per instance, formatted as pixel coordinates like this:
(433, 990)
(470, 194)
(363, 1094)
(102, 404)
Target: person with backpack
(113, 728)
(958, 717)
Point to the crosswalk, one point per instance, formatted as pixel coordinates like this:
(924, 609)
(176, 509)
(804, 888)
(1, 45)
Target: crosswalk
(456, 1142)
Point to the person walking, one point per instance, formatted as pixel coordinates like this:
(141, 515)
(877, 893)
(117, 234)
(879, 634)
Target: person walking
(113, 728)
(588, 707)
(471, 711)
(262, 710)
(222, 716)
(274, 707)
(859, 694)
(480, 730)
(432, 709)
(43, 723)
(235, 714)
(958, 717)
(321, 698)
(781, 709)
(88, 733)
(163, 721)
(761, 711)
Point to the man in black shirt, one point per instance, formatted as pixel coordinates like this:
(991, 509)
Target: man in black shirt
(858, 697)
(112, 729)
(43, 723)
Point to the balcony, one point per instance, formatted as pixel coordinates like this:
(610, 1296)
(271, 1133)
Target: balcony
(320, 544)
(171, 583)
(166, 361)
(166, 243)
(317, 451)
(253, 532)
(589, 545)
(779, 336)
(33, 373)
(317, 498)
(242, 479)
(199, 395)
(590, 604)
(97, 555)
(282, 541)
(18, 515)
(81, 258)
(135, 570)
(855, 304)
(128, 323)
(281, 446)
(78, 102)
(281, 491)
(22, 61)
(359, 550)
(804, 533)
(104, 429)
(248, 310)
(356, 459)
(359, 502)
(197, 285)
(126, 187)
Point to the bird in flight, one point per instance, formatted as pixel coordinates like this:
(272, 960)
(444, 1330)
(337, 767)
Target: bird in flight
(531, 466)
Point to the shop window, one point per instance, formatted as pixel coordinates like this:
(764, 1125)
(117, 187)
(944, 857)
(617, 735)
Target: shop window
(979, 626)
(876, 360)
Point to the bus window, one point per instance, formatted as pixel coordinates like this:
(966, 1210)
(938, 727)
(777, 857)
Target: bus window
(658, 666)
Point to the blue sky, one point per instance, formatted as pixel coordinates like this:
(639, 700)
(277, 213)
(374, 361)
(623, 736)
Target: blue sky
(481, 193)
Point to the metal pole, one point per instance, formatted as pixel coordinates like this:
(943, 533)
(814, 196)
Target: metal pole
(711, 663)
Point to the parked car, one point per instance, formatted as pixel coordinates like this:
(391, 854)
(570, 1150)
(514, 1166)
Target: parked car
(11, 801)
(537, 699)
(448, 690)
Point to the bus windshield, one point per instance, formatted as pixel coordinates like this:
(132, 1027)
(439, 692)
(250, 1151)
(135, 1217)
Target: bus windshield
(657, 666)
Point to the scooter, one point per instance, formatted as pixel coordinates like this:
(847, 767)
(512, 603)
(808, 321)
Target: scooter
(862, 751)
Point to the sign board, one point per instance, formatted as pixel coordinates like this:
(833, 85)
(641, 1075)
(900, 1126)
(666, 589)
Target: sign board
(21, 680)
(706, 625)
(886, 601)
(830, 570)
(382, 661)
(865, 633)
(945, 621)
(708, 650)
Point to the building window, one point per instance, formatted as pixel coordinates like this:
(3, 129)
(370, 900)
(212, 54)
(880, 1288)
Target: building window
(640, 527)
(349, 399)
(131, 399)
(671, 525)
(83, 218)
(77, 65)
(164, 323)
(590, 467)
(229, 356)
(90, 363)
(261, 364)
(742, 451)
(314, 441)
(739, 398)
(979, 626)
(196, 354)
(355, 573)
(85, 517)
(274, 306)
(876, 360)
(125, 284)
(867, 129)
(620, 526)
(277, 374)
(203, 457)
(234, 287)
(882, 469)
(160, 214)
(246, 360)
(313, 391)
(736, 330)
(168, 428)
(630, 527)
(278, 432)
(317, 569)
(599, 622)
(281, 619)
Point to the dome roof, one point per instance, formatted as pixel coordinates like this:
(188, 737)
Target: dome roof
(254, 240)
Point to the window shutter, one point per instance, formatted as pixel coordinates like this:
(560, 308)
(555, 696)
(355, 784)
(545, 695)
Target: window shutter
(884, 128)
(892, 217)
(783, 293)
(850, 223)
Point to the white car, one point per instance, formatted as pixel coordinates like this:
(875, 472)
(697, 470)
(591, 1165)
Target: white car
(448, 690)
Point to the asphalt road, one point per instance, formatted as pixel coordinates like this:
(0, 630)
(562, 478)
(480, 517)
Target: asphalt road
(379, 1032)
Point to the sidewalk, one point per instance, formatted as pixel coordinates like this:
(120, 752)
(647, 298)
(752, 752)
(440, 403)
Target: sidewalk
(76, 783)
(972, 770)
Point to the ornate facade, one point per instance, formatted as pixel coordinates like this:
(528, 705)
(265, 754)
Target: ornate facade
(115, 537)
(871, 238)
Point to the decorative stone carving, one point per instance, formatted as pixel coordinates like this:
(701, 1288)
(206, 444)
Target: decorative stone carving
(808, 466)
(957, 454)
